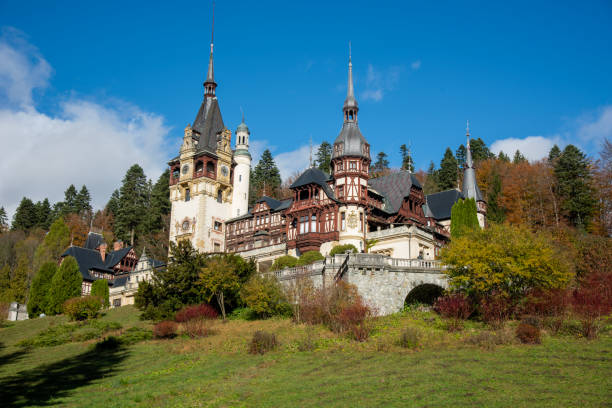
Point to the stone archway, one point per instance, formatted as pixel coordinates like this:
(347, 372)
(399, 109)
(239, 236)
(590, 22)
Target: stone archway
(425, 293)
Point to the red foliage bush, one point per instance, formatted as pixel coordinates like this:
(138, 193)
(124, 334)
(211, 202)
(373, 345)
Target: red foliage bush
(203, 311)
(528, 334)
(551, 304)
(355, 319)
(165, 330)
(495, 309)
(455, 307)
(592, 300)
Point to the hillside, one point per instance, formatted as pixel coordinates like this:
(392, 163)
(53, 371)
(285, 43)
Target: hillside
(444, 369)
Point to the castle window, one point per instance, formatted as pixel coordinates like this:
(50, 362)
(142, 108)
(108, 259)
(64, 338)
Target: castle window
(303, 225)
(210, 167)
(219, 196)
(240, 177)
(199, 167)
(343, 221)
(360, 221)
(218, 226)
(313, 223)
(217, 247)
(187, 194)
(175, 173)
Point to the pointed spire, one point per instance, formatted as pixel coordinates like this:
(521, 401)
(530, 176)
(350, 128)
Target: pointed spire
(210, 84)
(468, 153)
(350, 107)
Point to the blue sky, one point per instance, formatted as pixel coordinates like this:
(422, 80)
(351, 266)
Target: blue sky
(129, 75)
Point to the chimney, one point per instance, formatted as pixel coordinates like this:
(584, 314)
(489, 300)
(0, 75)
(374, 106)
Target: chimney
(117, 245)
(103, 251)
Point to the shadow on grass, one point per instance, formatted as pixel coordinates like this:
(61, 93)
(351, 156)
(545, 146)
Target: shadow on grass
(38, 386)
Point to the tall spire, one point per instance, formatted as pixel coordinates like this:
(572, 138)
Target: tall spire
(350, 107)
(470, 186)
(468, 154)
(210, 84)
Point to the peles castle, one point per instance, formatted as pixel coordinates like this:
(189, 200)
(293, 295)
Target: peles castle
(209, 188)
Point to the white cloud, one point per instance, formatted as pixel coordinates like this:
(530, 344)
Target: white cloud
(532, 147)
(379, 82)
(416, 65)
(294, 161)
(598, 128)
(84, 143)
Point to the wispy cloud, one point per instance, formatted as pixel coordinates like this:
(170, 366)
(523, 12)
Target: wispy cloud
(415, 65)
(597, 126)
(86, 142)
(379, 82)
(532, 147)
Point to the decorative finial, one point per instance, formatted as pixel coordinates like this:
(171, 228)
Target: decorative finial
(467, 132)
(349, 51)
(242, 112)
(212, 36)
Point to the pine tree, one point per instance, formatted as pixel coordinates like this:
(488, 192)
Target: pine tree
(3, 220)
(554, 154)
(69, 204)
(5, 284)
(100, 288)
(381, 164)
(518, 158)
(112, 207)
(66, 284)
(160, 202)
(431, 182)
(133, 203)
(25, 216)
(266, 178)
(38, 301)
(43, 214)
(572, 171)
(407, 163)
(82, 203)
(53, 245)
(460, 155)
(495, 212)
(323, 157)
(503, 157)
(447, 176)
(479, 150)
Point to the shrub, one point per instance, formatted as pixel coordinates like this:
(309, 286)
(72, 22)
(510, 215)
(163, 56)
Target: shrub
(264, 295)
(591, 301)
(135, 335)
(455, 307)
(262, 342)
(165, 330)
(528, 334)
(309, 257)
(354, 318)
(342, 249)
(66, 284)
(489, 339)
(242, 313)
(547, 306)
(307, 343)
(201, 311)
(496, 309)
(100, 288)
(410, 338)
(285, 261)
(83, 308)
(195, 328)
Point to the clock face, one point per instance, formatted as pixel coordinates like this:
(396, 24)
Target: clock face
(224, 170)
(185, 169)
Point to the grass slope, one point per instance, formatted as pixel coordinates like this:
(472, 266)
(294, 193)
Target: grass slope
(217, 371)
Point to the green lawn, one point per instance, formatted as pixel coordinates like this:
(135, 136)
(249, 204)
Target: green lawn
(217, 371)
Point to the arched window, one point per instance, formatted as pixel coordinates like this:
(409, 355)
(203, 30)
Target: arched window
(199, 167)
(187, 194)
(210, 167)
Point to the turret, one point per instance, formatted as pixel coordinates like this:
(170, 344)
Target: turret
(470, 186)
(242, 170)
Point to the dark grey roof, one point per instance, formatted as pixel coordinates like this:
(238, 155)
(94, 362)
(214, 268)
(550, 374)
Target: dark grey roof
(119, 281)
(315, 176)
(113, 258)
(394, 187)
(351, 141)
(208, 124)
(87, 259)
(274, 204)
(94, 240)
(440, 204)
(470, 186)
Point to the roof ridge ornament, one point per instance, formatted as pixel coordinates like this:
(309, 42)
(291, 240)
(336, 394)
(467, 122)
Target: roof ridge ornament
(210, 84)
(350, 107)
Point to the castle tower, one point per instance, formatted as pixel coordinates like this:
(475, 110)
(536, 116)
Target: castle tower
(470, 186)
(242, 171)
(350, 167)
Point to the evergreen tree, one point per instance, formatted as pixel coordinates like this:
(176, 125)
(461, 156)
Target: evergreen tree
(572, 171)
(323, 157)
(160, 202)
(53, 245)
(43, 214)
(554, 154)
(266, 178)
(495, 211)
(83, 202)
(3, 220)
(112, 206)
(100, 288)
(407, 163)
(38, 301)
(380, 165)
(460, 155)
(518, 157)
(25, 216)
(503, 157)
(66, 284)
(69, 206)
(19, 279)
(480, 151)
(447, 175)
(133, 203)
(431, 182)
(464, 217)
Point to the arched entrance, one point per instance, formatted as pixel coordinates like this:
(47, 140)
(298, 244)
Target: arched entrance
(426, 293)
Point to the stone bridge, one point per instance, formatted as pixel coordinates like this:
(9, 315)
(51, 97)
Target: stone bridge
(382, 281)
